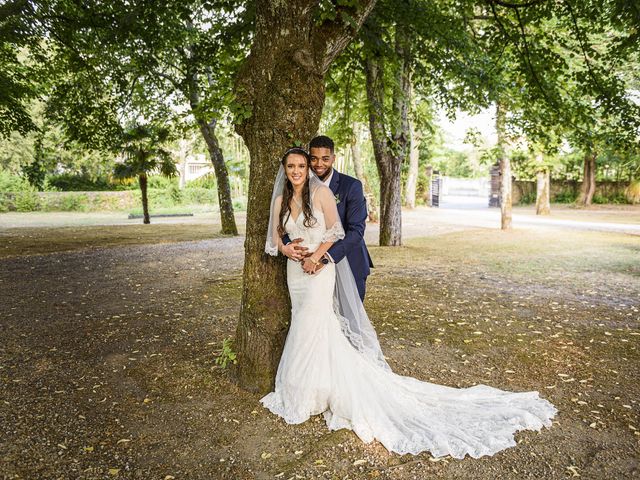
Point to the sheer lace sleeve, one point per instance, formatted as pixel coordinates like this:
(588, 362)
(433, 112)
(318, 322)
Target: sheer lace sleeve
(273, 239)
(327, 203)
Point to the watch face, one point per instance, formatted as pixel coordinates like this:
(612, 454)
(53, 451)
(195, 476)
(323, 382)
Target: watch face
(325, 261)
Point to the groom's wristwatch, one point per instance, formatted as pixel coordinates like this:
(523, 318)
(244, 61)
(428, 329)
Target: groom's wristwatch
(324, 260)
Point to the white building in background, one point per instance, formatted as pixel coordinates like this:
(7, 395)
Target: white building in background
(192, 167)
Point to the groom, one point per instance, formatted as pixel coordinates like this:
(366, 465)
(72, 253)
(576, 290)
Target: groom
(352, 208)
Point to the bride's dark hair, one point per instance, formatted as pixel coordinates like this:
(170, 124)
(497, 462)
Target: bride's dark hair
(287, 193)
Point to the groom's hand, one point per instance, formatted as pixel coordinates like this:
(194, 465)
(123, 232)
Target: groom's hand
(308, 266)
(294, 250)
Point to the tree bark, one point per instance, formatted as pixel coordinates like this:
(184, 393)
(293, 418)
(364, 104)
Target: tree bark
(142, 180)
(588, 187)
(182, 168)
(358, 166)
(390, 150)
(543, 205)
(282, 83)
(208, 132)
(225, 202)
(505, 170)
(412, 177)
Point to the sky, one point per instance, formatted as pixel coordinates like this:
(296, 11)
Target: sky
(455, 131)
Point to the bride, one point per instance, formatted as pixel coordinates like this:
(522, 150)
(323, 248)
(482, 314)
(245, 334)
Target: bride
(332, 362)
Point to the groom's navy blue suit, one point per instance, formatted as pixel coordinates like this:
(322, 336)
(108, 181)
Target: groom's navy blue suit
(352, 208)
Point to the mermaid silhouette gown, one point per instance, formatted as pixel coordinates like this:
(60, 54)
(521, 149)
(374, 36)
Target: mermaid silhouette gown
(320, 372)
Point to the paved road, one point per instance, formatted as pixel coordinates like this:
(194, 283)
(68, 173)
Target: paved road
(459, 213)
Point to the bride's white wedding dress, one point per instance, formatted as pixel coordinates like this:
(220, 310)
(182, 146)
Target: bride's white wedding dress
(321, 372)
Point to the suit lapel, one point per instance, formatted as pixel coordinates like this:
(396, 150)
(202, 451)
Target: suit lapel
(335, 182)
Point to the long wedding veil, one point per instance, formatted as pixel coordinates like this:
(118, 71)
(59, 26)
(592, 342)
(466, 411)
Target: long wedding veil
(347, 305)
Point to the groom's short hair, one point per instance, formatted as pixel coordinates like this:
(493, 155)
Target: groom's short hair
(321, 141)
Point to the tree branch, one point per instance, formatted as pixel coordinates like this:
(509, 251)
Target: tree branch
(530, 3)
(332, 36)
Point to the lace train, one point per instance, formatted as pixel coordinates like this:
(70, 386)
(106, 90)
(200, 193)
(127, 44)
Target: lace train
(321, 372)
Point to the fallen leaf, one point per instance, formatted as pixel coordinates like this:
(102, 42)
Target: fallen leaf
(574, 471)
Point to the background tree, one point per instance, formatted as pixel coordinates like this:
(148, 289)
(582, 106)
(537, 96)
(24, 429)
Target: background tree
(154, 56)
(17, 85)
(143, 150)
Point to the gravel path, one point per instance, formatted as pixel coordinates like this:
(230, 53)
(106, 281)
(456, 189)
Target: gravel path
(107, 362)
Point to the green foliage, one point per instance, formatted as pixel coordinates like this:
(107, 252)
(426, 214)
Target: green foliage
(144, 152)
(528, 198)
(632, 192)
(27, 201)
(17, 85)
(13, 183)
(206, 181)
(35, 172)
(226, 354)
(162, 182)
(68, 182)
(616, 198)
(565, 196)
(240, 204)
(74, 203)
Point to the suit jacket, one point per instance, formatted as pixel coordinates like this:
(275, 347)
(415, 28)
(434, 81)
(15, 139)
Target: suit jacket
(352, 209)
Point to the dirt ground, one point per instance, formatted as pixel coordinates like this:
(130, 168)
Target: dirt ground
(110, 335)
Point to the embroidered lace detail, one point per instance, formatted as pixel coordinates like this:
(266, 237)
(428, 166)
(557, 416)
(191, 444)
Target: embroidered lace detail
(270, 250)
(333, 234)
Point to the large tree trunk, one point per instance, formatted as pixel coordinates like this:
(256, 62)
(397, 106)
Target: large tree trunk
(358, 166)
(282, 83)
(225, 202)
(142, 180)
(543, 205)
(390, 152)
(588, 187)
(412, 177)
(505, 170)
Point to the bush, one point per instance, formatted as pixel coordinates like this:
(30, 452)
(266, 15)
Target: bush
(199, 196)
(632, 192)
(565, 196)
(162, 182)
(175, 193)
(206, 181)
(618, 198)
(28, 201)
(13, 183)
(5, 203)
(74, 203)
(240, 204)
(528, 198)
(68, 182)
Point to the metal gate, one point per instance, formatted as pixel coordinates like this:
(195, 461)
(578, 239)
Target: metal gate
(436, 187)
